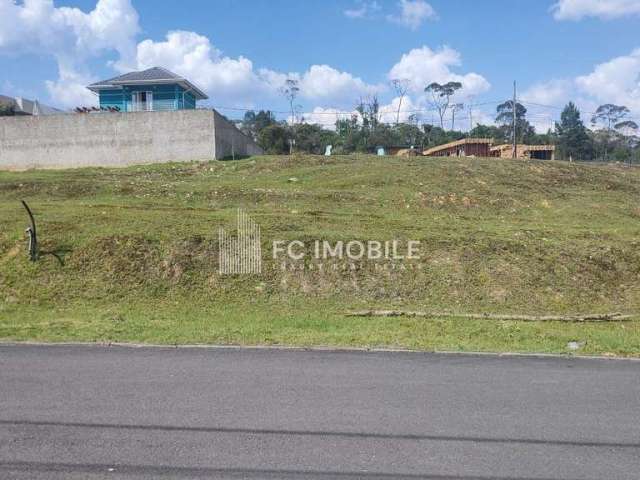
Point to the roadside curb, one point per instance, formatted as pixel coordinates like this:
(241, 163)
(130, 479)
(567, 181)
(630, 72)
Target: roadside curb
(320, 349)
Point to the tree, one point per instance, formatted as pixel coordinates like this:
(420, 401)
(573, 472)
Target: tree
(6, 110)
(407, 134)
(441, 97)
(253, 123)
(350, 135)
(274, 139)
(290, 91)
(524, 131)
(488, 131)
(627, 128)
(369, 110)
(434, 136)
(609, 115)
(458, 107)
(313, 138)
(573, 141)
(400, 86)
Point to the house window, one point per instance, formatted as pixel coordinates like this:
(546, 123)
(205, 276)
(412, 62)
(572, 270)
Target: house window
(142, 101)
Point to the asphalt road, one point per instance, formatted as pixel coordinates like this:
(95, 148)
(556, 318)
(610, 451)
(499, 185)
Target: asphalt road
(142, 413)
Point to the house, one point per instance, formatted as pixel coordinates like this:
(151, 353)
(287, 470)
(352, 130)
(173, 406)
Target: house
(22, 106)
(467, 147)
(535, 152)
(154, 89)
(483, 147)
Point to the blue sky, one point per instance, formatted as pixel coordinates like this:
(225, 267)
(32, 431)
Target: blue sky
(241, 51)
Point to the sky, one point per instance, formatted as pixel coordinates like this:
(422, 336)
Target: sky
(240, 52)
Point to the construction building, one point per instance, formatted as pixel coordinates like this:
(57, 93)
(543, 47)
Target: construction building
(484, 147)
(467, 147)
(534, 152)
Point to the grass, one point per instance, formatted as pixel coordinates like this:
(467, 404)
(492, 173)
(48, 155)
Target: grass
(140, 251)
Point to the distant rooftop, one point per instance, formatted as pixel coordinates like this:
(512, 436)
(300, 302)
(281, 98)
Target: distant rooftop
(22, 106)
(151, 75)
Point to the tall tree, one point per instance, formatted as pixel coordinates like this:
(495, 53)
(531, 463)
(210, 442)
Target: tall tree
(609, 115)
(457, 107)
(290, 91)
(369, 110)
(573, 141)
(400, 85)
(441, 97)
(627, 128)
(505, 112)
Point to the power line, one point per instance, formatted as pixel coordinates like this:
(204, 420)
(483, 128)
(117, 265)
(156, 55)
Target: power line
(348, 113)
(556, 107)
(341, 112)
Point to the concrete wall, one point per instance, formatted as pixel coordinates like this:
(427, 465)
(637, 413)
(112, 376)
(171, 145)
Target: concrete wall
(117, 139)
(231, 141)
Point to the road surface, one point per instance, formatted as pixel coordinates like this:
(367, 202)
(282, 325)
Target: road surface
(82, 412)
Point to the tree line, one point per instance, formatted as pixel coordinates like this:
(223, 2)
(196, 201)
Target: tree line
(612, 138)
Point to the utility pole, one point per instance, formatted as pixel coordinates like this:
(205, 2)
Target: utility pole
(515, 109)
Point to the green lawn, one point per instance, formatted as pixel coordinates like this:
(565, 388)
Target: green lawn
(140, 253)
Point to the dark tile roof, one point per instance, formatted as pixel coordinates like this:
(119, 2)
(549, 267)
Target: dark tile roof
(157, 74)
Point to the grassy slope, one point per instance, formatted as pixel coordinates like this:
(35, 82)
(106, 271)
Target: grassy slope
(499, 236)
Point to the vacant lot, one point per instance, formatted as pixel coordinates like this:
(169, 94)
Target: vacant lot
(140, 253)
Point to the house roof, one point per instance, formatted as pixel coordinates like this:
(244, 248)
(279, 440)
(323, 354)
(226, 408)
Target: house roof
(23, 106)
(150, 76)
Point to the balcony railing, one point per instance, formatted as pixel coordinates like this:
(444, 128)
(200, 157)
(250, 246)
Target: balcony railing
(155, 106)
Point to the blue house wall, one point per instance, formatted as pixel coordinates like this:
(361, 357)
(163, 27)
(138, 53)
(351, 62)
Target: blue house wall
(165, 97)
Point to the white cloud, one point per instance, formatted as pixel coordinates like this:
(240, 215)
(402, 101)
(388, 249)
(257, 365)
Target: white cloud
(553, 92)
(322, 82)
(616, 81)
(70, 90)
(422, 66)
(194, 57)
(70, 35)
(389, 112)
(606, 9)
(325, 84)
(363, 9)
(413, 13)
(235, 80)
(326, 117)
(477, 117)
(74, 37)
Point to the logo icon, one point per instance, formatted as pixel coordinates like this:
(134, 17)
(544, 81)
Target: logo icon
(241, 254)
